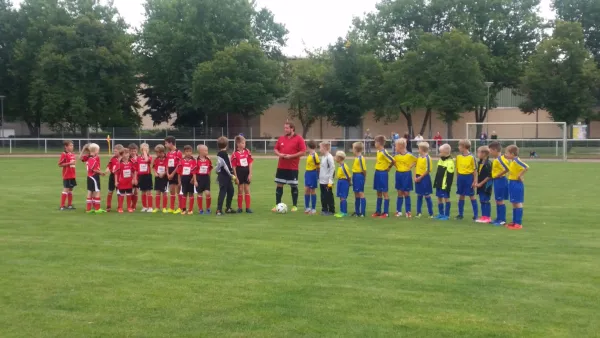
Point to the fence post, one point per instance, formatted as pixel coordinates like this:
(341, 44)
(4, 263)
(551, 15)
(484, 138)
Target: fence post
(265, 146)
(45, 146)
(79, 141)
(557, 148)
(10, 146)
(194, 136)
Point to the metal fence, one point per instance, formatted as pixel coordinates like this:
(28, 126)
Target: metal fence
(542, 148)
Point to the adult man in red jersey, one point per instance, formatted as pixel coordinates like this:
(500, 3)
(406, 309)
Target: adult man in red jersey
(289, 148)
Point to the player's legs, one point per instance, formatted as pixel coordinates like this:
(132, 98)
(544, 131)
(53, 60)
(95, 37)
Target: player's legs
(307, 194)
(363, 204)
(173, 190)
(378, 206)
(429, 203)
(399, 203)
(475, 207)
(247, 198)
(441, 212)
(230, 192)
(278, 195)
(240, 198)
(129, 195)
(208, 198)
(70, 199)
(63, 198)
(448, 205)
(120, 198)
(89, 201)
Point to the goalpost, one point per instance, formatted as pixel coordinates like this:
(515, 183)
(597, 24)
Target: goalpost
(546, 140)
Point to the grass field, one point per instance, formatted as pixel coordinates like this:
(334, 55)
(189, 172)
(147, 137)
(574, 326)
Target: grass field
(68, 274)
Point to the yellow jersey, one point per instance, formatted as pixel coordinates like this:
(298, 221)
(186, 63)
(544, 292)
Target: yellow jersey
(516, 167)
(312, 162)
(360, 165)
(499, 165)
(343, 172)
(405, 162)
(383, 161)
(423, 165)
(466, 164)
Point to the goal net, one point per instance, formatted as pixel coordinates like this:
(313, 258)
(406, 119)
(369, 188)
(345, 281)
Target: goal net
(547, 140)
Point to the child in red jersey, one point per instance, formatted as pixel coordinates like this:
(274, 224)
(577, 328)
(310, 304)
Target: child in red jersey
(144, 166)
(89, 155)
(110, 168)
(125, 174)
(174, 156)
(160, 178)
(186, 172)
(133, 156)
(67, 163)
(241, 162)
(202, 179)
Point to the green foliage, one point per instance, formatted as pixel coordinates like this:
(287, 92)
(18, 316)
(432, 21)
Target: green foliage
(561, 77)
(240, 79)
(587, 13)
(8, 38)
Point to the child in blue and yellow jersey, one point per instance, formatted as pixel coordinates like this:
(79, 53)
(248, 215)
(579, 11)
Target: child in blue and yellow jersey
(500, 181)
(516, 188)
(343, 184)
(311, 179)
(383, 163)
(443, 181)
(404, 161)
(423, 179)
(359, 175)
(484, 184)
(466, 181)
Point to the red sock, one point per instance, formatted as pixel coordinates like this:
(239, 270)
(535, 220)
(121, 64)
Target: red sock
(120, 199)
(70, 199)
(109, 201)
(144, 201)
(97, 203)
(157, 200)
(208, 200)
(88, 205)
(191, 208)
(149, 200)
(129, 201)
(134, 200)
(182, 201)
(63, 199)
(164, 200)
(172, 202)
(247, 201)
(199, 202)
(240, 201)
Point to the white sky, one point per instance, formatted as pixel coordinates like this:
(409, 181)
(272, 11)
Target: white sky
(311, 23)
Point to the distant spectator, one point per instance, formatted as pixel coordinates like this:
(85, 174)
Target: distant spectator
(438, 140)
(483, 138)
(494, 135)
(368, 140)
(395, 137)
(419, 138)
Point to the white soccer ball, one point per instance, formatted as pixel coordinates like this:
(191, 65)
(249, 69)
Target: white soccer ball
(282, 208)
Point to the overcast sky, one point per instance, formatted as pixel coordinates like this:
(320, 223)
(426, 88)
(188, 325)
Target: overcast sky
(311, 23)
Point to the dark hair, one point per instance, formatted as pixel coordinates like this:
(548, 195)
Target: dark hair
(222, 142)
(132, 146)
(239, 139)
(311, 144)
(123, 151)
(495, 146)
(379, 139)
(291, 125)
(187, 147)
(67, 142)
(170, 139)
(513, 149)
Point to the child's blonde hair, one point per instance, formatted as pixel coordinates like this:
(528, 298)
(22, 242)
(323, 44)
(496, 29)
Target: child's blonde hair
(401, 141)
(145, 146)
(118, 147)
(424, 147)
(93, 147)
(485, 150)
(513, 150)
(358, 147)
(340, 155)
(465, 144)
(325, 145)
(201, 146)
(159, 148)
(379, 139)
(445, 148)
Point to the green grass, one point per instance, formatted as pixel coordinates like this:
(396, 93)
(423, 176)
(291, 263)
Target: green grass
(68, 274)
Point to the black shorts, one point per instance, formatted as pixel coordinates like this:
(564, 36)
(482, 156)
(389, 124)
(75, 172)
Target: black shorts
(145, 182)
(242, 174)
(93, 183)
(111, 182)
(125, 191)
(69, 183)
(203, 183)
(160, 184)
(286, 176)
(187, 187)
(175, 179)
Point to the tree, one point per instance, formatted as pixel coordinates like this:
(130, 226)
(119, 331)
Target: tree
(562, 76)
(8, 38)
(304, 97)
(240, 79)
(587, 13)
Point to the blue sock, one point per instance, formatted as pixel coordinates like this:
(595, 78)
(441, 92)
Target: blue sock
(518, 216)
(461, 207)
(313, 201)
(448, 205)
(363, 206)
(379, 201)
(475, 208)
(399, 202)
(488, 209)
(429, 205)
(306, 201)
(441, 208)
(419, 204)
(386, 206)
(408, 207)
(344, 206)
(502, 213)
(357, 205)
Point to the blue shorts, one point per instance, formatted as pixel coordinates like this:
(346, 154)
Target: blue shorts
(404, 181)
(343, 187)
(516, 190)
(501, 189)
(484, 198)
(358, 182)
(423, 188)
(380, 181)
(311, 179)
(464, 185)
(441, 193)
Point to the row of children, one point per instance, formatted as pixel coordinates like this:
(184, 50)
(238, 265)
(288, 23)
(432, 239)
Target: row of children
(503, 175)
(175, 173)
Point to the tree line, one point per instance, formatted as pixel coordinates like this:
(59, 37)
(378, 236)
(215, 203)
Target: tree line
(74, 64)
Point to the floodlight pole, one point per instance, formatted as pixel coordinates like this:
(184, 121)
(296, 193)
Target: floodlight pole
(2, 116)
(487, 107)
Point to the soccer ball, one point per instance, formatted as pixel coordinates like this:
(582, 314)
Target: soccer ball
(282, 208)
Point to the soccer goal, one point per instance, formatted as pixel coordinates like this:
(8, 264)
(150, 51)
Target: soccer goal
(547, 140)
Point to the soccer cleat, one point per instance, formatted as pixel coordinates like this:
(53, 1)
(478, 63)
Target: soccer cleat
(100, 211)
(307, 211)
(178, 211)
(408, 215)
(219, 213)
(515, 227)
(230, 211)
(170, 211)
(362, 215)
(312, 212)
(274, 209)
(375, 215)
(384, 216)
(143, 210)
(480, 220)
(149, 210)
(431, 216)
(108, 209)
(340, 215)
(440, 216)
(190, 212)
(326, 213)
(208, 211)
(419, 215)
(70, 207)
(249, 211)
(120, 211)
(62, 209)
(294, 209)
(239, 210)
(155, 211)
(459, 218)
(399, 214)
(166, 211)
(130, 210)
(444, 218)
(201, 212)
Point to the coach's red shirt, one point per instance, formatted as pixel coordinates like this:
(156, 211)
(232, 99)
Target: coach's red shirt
(204, 166)
(160, 165)
(143, 166)
(112, 164)
(125, 172)
(68, 172)
(173, 158)
(92, 164)
(290, 146)
(187, 167)
(241, 158)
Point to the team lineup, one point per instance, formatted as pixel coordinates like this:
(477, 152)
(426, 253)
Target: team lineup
(183, 176)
